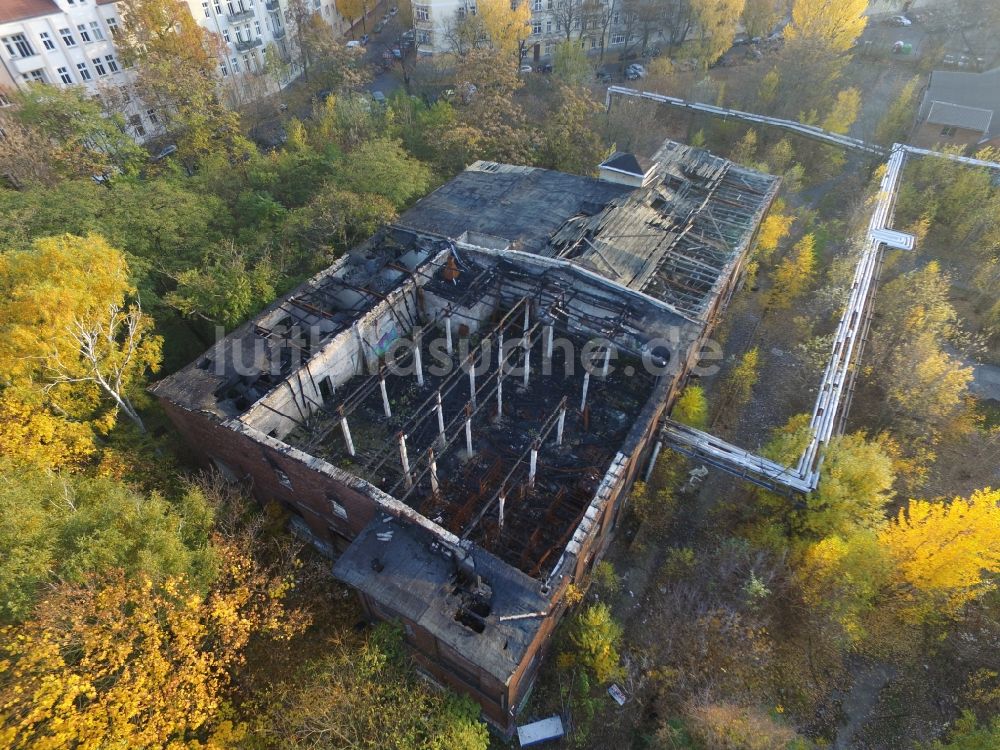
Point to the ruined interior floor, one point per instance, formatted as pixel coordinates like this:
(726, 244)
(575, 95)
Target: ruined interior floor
(538, 520)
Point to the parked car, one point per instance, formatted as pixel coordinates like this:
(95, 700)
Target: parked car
(397, 53)
(635, 71)
(364, 40)
(354, 45)
(393, 10)
(379, 98)
(603, 76)
(409, 35)
(378, 27)
(526, 68)
(900, 21)
(546, 68)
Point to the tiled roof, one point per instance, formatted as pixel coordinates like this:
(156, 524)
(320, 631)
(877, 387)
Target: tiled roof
(18, 10)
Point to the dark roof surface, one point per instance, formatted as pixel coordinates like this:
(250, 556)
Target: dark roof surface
(18, 10)
(958, 116)
(521, 204)
(977, 90)
(417, 581)
(627, 162)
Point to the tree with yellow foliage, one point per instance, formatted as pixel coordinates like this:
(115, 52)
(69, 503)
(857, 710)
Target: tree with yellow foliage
(794, 274)
(594, 636)
(72, 342)
(844, 112)
(855, 485)
(507, 25)
(760, 16)
(775, 228)
(127, 664)
(716, 21)
(834, 24)
(944, 552)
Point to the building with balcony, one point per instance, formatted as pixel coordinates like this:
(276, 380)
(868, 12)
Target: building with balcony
(248, 28)
(67, 43)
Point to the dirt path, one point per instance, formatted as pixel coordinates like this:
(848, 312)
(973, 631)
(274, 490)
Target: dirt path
(869, 681)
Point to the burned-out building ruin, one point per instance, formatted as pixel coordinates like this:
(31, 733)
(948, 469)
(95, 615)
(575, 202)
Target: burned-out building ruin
(456, 409)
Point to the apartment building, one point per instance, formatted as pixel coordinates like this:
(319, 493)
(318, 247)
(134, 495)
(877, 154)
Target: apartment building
(69, 43)
(248, 28)
(586, 22)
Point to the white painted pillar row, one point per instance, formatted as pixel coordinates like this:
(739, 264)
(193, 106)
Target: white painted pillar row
(586, 386)
(560, 425)
(533, 466)
(549, 329)
(447, 334)
(503, 502)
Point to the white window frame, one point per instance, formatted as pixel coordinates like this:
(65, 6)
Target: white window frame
(99, 67)
(67, 36)
(84, 72)
(95, 29)
(64, 75)
(47, 41)
(112, 63)
(81, 29)
(18, 46)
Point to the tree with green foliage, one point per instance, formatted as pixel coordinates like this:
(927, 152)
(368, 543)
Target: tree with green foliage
(737, 389)
(176, 64)
(856, 480)
(569, 142)
(226, 289)
(968, 734)
(83, 141)
(382, 167)
(365, 694)
(69, 528)
(570, 64)
(894, 126)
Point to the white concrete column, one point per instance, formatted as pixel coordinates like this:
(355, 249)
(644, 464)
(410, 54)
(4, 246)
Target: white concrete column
(560, 424)
(440, 413)
(503, 502)
(472, 380)
(404, 459)
(607, 361)
(533, 465)
(468, 431)
(418, 364)
(548, 340)
(527, 359)
(447, 334)
(500, 394)
(435, 487)
(586, 385)
(385, 396)
(347, 433)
